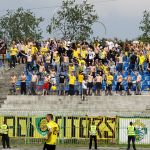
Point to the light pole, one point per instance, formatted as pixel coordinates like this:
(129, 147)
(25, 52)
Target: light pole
(105, 29)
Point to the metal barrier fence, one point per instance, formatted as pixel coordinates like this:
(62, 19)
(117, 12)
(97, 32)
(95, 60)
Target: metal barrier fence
(75, 129)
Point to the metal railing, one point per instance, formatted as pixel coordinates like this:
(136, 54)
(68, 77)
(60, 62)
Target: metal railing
(75, 129)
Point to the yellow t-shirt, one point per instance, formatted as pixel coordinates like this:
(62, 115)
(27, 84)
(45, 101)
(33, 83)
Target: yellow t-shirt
(81, 61)
(141, 59)
(13, 51)
(105, 69)
(72, 80)
(53, 126)
(44, 50)
(80, 78)
(34, 50)
(57, 59)
(76, 53)
(84, 54)
(109, 79)
(103, 55)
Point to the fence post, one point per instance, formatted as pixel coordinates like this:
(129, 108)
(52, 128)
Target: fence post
(62, 129)
(86, 127)
(28, 129)
(117, 129)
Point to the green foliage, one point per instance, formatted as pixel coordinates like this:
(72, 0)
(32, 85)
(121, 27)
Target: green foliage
(145, 27)
(21, 24)
(74, 21)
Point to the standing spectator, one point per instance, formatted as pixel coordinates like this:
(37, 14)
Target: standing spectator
(129, 82)
(120, 63)
(34, 80)
(90, 84)
(13, 80)
(91, 55)
(13, 53)
(138, 84)
(119, 83)
(112, 66)
(132, 61)
(23, 84)
(47, 61)
(109, 81)
(65, 60)
(141, 62)
(84, 89)
(80, 80)
(29, 61)
(3, 48)
(72, 80)
(41, 70)
(62, 81)
(46, 85)
(98, 80)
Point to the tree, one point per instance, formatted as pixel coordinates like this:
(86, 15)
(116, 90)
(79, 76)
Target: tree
(145, 27)
(74, 21)
(20, 25)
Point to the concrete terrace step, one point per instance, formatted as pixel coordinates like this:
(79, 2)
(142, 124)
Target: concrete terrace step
(106, 105)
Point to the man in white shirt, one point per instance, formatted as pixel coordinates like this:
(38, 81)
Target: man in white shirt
(91, 55)
(84, 89)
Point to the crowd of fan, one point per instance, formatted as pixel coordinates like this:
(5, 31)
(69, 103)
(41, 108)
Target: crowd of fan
(79, 68)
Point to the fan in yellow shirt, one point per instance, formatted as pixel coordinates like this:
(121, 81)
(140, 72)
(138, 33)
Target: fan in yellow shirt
(109, 81)
(44, 50)
(80, 77)
(76, 53)
(52, 135)
(34, 50)
(72, 79)
(81, 61)
(141, 59)
(84, 53)
(13, 50)
(71, 67)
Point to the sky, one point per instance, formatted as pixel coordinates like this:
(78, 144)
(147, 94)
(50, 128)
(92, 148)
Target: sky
(121, 17)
